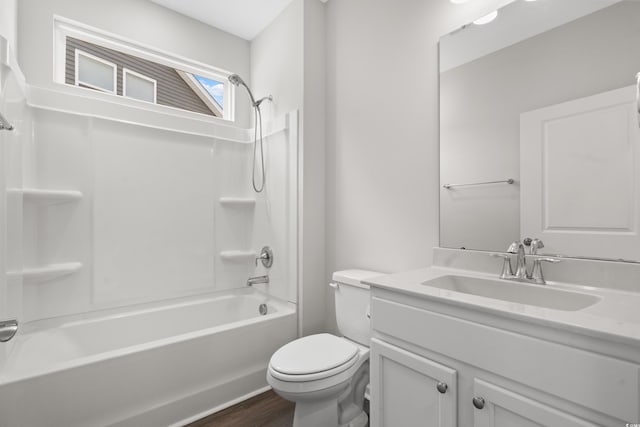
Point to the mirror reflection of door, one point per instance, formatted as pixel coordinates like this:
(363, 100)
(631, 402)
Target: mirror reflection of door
(579, 169)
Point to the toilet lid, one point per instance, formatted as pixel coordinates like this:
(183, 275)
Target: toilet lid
(312, 354)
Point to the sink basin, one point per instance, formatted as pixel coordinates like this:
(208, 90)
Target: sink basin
(537, 295)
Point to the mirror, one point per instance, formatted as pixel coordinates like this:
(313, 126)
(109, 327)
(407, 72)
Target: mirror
(539, 133)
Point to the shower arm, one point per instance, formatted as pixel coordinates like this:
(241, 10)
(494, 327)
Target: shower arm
(236, 80)
(253, 100)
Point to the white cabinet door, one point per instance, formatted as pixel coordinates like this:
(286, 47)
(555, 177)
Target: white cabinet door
(499, 407)
(579, 174)
(408, 390)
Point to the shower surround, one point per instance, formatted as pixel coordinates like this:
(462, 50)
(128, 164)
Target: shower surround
(116, 219)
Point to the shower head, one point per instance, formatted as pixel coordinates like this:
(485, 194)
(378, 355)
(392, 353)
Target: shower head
(236, 80)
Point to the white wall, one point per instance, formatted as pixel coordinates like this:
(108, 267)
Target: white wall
(382, 130)
(13, 108)
(287, 61)
(277, 61)
(141, 21)
(8, 20)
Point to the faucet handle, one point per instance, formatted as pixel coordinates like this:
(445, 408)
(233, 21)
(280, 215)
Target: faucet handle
(266, 256)
(507, 271)
(513, 248)
(535, 245)
(536, 273)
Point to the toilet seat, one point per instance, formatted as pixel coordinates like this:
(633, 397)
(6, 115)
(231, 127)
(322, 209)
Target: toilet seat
(313, 358)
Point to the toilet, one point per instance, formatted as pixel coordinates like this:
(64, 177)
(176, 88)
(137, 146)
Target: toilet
(326, 375)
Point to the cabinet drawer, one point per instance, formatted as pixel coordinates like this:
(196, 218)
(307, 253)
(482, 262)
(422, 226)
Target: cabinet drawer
(597, 382)
(505, 408)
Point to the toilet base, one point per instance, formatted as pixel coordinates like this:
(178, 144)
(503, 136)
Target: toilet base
(340, 405)
(316, 414)
(333, 401)
(361, 420)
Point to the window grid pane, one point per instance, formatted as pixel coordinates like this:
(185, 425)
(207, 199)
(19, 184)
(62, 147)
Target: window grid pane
(95, 73)
(139, 88)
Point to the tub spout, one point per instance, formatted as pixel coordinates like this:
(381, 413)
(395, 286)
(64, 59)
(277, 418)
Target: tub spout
(256, 280)
(8, 329)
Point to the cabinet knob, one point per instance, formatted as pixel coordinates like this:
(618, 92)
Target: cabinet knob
(442, 387)
(478, 402)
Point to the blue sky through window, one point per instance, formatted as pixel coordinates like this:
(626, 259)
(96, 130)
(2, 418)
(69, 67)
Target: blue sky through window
(213, 88)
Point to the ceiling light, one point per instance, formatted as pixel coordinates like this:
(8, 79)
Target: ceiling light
(487, 18)
(458, 1)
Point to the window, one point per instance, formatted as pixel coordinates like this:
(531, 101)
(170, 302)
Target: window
(210, 91)
(92, 59)
(137, 86)
(94, 73)
(214, 89)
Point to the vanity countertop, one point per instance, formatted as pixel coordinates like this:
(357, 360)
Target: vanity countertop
(616, 316)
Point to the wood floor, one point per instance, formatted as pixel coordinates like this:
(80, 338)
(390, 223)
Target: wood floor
(264, 410)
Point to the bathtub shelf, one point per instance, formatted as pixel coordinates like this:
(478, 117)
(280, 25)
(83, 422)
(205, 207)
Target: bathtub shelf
(238, 256)
(237, 202)
(38, 195)
(46, 273)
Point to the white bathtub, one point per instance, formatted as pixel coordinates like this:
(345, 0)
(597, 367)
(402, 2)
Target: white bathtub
(149, 366)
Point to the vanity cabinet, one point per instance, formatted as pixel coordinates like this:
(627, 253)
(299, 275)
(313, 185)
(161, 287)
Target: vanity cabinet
(496, 406)
(495, 377)
(408, 387)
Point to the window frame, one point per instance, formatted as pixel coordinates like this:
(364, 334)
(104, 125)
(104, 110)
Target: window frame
(64, 28)
(126, 71)
(78, 82)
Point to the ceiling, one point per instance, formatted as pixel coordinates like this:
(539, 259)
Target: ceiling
(516, 21)
(243, 18)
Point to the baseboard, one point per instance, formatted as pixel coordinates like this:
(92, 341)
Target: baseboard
(221, 407)
(192, 407)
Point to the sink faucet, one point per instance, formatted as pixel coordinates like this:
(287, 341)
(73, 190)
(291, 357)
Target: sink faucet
(523, 274)
(257, 279)
(521, 262)
(534, 245)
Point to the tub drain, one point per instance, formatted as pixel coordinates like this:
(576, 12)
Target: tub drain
(263, 309)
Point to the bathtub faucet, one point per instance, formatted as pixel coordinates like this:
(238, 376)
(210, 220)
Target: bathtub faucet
(256, 280)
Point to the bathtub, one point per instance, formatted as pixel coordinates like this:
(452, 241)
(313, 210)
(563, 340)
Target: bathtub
(155, 365)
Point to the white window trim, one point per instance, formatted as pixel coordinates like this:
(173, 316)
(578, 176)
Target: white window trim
(78, 82)
(126, 71)
(64, 28)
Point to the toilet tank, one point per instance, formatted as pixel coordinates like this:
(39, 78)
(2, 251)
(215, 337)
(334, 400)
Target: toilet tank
(352, 304)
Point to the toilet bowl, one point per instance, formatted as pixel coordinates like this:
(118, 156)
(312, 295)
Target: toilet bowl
(326, 375)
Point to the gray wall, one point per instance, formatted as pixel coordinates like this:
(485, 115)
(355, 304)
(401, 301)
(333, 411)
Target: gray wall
(481, 103)
(382, 130)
